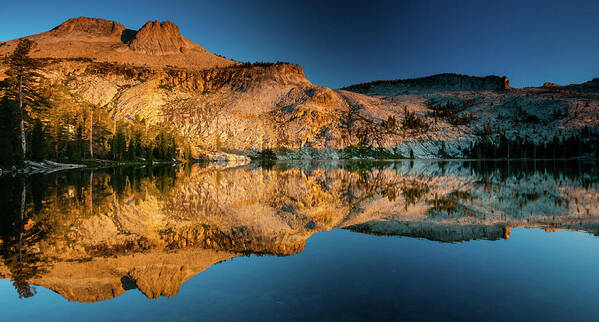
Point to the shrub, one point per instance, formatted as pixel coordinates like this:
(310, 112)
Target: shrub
(451, 112)
(268, 154)
(413, 121)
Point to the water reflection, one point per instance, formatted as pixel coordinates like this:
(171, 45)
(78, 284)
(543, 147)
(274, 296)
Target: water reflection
(92, 235)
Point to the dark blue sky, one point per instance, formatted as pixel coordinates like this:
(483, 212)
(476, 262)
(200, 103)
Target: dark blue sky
(343, 42)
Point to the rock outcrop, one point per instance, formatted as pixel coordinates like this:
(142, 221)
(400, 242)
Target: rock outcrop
(160, 38)
(549, 84)
(217, 156)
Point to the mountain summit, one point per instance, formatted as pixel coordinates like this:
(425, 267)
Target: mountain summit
(155, 44)
(160, 38)
(88, 27)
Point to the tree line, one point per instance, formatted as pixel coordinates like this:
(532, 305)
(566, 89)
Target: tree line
(559, 147)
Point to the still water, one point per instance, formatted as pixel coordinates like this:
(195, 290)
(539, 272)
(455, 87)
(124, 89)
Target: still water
(326, 241)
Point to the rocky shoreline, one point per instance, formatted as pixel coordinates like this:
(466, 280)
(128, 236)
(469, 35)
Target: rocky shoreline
(217, 158)
(45, 167)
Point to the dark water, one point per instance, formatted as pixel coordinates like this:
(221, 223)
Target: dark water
(304, 241)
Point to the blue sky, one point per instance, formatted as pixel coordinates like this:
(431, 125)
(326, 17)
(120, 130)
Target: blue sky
(343, 42)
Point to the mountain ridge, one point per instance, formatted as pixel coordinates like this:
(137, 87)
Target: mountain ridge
(448, 82)
(158, 77)
(155, 44)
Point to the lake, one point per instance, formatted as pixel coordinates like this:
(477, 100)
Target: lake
(299, 240)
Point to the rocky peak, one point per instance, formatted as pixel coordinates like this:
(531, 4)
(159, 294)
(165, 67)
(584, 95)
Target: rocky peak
(156, 44)
(549, 84)
(506, 83)
(158, 38)
(92, 26)
(154, 38)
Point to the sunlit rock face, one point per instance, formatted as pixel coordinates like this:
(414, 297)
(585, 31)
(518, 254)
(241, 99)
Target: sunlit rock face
(155, 274)
(156, 44)
(159, 38)
(88, 27)
(92, 235)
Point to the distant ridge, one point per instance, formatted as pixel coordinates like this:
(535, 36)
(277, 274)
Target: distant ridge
(589, 86)
(434, 83)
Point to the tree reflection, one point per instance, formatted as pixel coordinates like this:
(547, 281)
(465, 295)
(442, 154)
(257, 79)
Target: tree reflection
(19, 235)
(80, 215)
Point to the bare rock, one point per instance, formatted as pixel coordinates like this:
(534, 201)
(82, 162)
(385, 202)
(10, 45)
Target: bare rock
(159, 38)
(219, 156)
(92, 27)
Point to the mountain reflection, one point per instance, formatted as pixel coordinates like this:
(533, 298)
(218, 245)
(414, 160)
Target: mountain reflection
(92, 235)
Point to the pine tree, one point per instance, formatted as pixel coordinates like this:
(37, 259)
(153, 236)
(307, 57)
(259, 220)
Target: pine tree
(188, 151)
(139, 151)
(21, 85)
(75, 148)
(91, 133)
(162, 145)
(131, 153)
(172, 148)
(149, 154)
(10, 153)
(118, 145)
(38, 142)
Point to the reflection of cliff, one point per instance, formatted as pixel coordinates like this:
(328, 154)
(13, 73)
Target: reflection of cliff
(100, 234)
(155, 274)
(450, 202)
(448, 232)
(431, 231)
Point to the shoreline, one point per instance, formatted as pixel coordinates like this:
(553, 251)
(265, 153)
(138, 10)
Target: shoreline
(48, 167)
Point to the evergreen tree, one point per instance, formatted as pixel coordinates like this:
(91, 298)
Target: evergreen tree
(38, 142)
(118, 145)
(188, 151)
(76, 147)
(21, 85)
(131, 151)
(164, 146)
(139, 150)
(149, 151)
(172, 148)
(91, 133)
(161, 146)
(10, 153)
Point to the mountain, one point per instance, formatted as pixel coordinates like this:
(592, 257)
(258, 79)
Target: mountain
(156, 77)
(156, 44)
